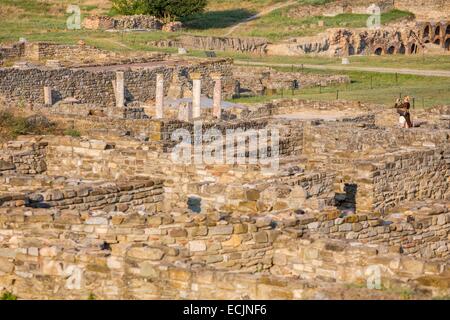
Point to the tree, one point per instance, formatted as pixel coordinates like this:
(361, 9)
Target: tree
(167, 9)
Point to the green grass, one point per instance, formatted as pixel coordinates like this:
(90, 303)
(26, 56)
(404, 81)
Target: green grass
(427, 62)
(217, 19)
(72, 132)
(372, 88)
(8, 296)
(12, 126)
(277, 25)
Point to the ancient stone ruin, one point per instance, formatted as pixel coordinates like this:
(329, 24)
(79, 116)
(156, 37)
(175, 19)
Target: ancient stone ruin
(328, 193)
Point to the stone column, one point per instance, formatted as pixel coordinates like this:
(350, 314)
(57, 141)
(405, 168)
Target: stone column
(217, 96)
(196, 94)
(120, 89)
(48, 101)
(159, 96)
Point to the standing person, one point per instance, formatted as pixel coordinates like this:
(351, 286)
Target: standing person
(406, 107)
(401, 112)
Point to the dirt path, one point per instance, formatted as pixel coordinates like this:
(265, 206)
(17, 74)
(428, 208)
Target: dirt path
(417, 72)
(259, 14)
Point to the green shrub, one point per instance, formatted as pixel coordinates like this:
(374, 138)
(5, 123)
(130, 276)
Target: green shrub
(72, 132)
(8, 296)
(167, 9)
(11, 126)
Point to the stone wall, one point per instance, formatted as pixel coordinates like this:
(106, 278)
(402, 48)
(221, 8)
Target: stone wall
(259, 80)
(117, 245)
(351, 263)
(250, 45)
(48, 50)
(23, 157)
(403, 176)
(272, 195)
(388, 165)
(12, 51)
(139, 22)
(424, 236)
(109, 196)
(95, 85)
(162, 256)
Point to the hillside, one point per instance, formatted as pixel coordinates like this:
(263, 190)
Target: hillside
(46, 20)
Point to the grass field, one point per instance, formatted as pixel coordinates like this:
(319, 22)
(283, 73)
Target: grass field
(373, 88)
(277, 25)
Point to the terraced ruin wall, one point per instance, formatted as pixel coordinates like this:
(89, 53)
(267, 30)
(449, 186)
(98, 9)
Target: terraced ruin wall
(350, 263)
(424, 237)
(133, 257)
(23, 157)
(403, 176)
(250, 45)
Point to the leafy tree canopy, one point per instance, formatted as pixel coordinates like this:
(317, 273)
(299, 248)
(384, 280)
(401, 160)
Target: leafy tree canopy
(167, 9)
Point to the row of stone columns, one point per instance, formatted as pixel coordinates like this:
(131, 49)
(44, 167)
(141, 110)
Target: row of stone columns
(119, 91)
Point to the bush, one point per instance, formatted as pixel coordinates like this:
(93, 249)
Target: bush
(167, 9)
(11, 126)
(8, 296)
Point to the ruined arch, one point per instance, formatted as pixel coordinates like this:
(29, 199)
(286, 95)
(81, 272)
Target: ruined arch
(402, 49)
(437, 41)
(447, 31)
(437, 31)
(426, 31)
(413, 48)
(351, 50)
(390, 50)
(378, 51)
(447, 44)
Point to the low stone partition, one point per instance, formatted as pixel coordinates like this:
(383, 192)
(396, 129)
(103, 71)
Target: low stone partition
(23, 157)
(419, 235)
(250, 45)
(331, 137)
(345, 111)
(341, 262)
(271, 195)
(138, 22)
(402, 176)
(13, 51)
(109, 196)
(264, 80)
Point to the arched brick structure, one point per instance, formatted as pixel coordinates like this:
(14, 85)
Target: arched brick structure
(426, 31)
(351, 50)
(390, 50)
(401, 49)
(378, 51)
(412, 48)
(447, 43)
(437, 41)
(447, 29)
(437, 30)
